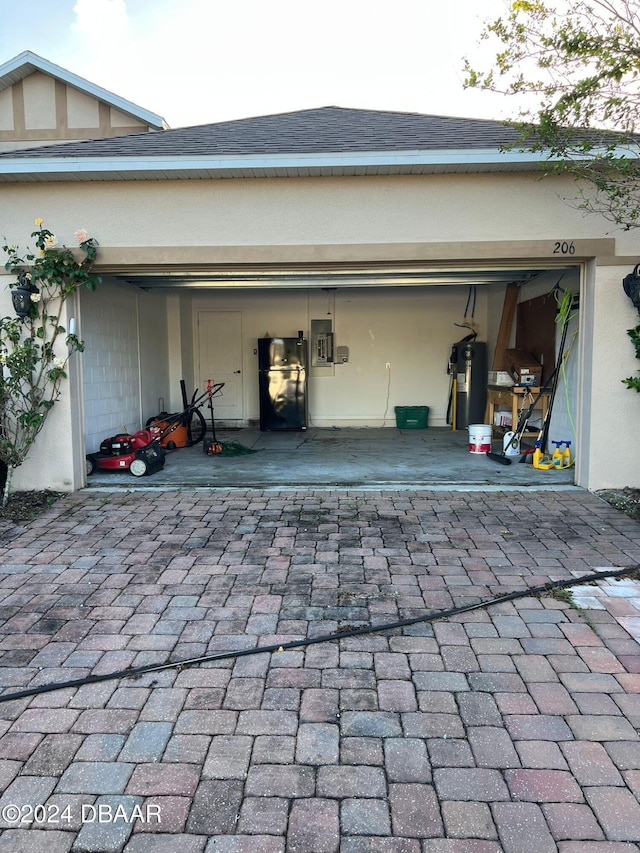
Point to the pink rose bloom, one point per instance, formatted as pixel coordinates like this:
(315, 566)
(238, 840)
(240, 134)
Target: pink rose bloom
(82, 236)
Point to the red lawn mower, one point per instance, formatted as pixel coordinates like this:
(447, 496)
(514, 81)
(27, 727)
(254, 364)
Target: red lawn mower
(143, 452)
(140, 453)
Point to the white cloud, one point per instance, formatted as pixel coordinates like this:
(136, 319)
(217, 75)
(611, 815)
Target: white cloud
(196, 61)
(101, 19)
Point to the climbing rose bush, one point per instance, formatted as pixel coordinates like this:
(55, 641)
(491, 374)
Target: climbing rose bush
(35, 347)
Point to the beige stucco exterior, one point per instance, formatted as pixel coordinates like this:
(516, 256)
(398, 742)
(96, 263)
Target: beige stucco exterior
(461, 221)
(453, 210)
(40, 109)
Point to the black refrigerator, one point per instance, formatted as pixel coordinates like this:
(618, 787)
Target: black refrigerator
(282, 382)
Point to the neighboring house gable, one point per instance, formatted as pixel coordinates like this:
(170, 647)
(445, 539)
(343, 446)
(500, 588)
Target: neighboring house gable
(43, 104)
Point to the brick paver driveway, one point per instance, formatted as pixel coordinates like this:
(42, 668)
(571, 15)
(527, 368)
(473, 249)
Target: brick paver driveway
(512, 727)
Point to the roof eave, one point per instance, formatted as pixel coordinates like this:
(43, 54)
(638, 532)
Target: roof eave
(247, 165)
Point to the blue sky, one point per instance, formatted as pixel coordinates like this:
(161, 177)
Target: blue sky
(200, 61)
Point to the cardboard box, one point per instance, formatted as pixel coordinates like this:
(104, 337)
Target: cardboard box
(500, 377)
(523, 368)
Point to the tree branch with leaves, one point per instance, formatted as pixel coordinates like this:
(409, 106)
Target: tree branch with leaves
(35, 347)
(578, 63)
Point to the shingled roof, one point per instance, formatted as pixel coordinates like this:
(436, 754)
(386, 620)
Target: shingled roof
(328, 129)
(325, 141)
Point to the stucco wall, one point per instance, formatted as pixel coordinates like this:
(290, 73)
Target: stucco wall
(309, 211)
(611, 409)
(40, 109)
(50, 461)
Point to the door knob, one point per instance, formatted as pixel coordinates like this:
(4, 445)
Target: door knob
(237, 371)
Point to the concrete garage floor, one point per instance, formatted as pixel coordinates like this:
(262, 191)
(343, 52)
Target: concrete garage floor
(379, 457)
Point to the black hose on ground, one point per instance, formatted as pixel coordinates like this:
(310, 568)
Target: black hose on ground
(135, 672)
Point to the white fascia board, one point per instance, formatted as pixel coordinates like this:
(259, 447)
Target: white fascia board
(106, 165)
(485, 157)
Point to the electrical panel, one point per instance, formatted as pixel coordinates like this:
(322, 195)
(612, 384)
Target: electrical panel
(321, 343)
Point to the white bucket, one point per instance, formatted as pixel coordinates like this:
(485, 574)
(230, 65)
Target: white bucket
(480, 438)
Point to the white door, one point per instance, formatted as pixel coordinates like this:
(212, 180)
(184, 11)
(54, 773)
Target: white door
(220, 360)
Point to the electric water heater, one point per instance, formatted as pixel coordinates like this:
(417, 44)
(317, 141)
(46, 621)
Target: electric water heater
(469, 366)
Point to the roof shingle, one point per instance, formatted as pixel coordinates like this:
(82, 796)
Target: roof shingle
(313, 131)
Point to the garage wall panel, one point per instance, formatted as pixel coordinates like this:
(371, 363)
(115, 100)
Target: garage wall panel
(111, 362)
(155, 383)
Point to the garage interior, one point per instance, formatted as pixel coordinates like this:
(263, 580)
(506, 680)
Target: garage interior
(379, 346)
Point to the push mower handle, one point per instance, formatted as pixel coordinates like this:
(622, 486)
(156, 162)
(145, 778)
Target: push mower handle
(212, 391)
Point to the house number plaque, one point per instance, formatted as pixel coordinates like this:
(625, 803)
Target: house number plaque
(564, 247)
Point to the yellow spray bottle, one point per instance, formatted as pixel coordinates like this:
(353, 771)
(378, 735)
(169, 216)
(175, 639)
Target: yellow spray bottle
(557, 457)
(541, 461)
(566, 455)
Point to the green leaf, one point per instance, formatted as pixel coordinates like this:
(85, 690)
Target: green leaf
(579, 65)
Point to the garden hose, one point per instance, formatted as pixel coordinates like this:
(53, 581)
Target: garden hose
(135, 672)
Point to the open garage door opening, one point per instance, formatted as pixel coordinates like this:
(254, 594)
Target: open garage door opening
(384, 402)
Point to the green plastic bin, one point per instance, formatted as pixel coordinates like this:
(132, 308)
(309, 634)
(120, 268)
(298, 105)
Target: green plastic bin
(412, 417)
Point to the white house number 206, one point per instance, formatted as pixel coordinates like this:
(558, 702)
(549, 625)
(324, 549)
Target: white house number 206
(562, 247)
